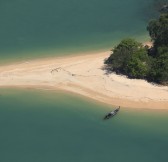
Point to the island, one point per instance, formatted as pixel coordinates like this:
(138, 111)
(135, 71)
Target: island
(134, 75)
(135, 60)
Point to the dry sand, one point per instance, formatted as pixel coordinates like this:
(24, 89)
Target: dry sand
(84, 75)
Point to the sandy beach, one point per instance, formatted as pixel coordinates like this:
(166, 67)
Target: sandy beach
(84, 75)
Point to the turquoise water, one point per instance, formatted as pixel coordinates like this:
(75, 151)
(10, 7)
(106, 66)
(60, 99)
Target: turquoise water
(40, 126)
(39, 28)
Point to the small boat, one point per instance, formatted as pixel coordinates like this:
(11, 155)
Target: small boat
(112, 113)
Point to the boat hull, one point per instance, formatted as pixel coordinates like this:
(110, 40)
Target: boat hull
(111, 114)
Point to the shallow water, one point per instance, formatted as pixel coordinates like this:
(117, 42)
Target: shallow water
(40, 126)
(40, 28)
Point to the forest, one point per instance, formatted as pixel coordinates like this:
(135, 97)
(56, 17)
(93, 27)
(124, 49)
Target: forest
(133, 59)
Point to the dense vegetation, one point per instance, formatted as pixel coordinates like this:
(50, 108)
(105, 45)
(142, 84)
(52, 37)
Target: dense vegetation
(133, 59)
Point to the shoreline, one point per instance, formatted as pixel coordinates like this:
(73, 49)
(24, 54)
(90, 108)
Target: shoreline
(82, 74)
(58, 53)
(86, 98)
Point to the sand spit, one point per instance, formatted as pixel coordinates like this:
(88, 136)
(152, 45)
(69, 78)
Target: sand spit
(84, 75)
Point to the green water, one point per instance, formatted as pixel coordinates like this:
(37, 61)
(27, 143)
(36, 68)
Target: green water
(47, 126)
(39, 28)
(40, 126)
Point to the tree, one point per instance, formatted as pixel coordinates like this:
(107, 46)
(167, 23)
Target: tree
(129, 58)
(121, 53)
(158, 30)
(159, 70)
(138, 65)
(136, 61)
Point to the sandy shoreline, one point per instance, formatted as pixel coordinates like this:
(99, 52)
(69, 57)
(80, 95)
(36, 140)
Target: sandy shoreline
(83, 75)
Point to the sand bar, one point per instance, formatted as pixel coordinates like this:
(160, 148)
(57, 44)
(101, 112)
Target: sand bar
(84, 75)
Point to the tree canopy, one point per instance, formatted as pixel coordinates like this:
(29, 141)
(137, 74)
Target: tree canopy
(133, 59)
(129, 58)
(158, 30)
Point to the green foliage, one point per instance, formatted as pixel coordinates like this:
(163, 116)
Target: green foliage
(158, 30)
(132, 59)
(138, 65)
(122, 52)
(159, 71)
(129, 58)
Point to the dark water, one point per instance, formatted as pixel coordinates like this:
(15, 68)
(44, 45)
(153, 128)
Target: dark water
(38, 28)
(40, 126)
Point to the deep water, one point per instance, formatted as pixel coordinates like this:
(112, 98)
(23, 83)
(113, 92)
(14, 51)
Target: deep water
(40, 126)
(41, 28)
